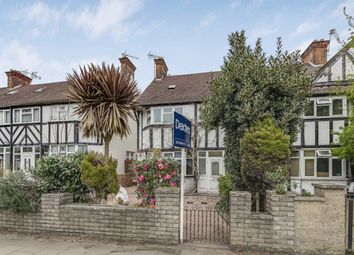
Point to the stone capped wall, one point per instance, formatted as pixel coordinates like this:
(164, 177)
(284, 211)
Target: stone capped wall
(296, 225)
(57, 214)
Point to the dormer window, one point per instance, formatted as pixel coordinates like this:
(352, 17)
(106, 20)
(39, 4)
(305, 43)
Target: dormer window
(172, 86)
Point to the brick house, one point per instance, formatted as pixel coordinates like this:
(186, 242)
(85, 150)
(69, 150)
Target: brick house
(39, 120)
(312, 160)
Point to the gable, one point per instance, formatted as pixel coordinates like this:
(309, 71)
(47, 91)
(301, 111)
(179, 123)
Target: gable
(339, 68)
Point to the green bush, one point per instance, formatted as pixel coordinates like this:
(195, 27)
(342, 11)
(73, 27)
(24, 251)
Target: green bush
(19, 192)
(58, 173)
(225, 185)
(264, 149)
(99, 172)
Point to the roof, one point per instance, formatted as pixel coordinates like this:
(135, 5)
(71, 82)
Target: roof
(30, 95)
(189, 88)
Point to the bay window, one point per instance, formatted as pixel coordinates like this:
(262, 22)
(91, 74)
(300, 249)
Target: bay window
(321, 164)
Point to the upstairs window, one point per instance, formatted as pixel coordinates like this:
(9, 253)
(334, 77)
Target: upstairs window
(337, 107)
(165, 115)
(4, 117)
(26, 115)
(323, 107)
(61, 112)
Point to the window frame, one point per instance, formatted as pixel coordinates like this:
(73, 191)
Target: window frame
(30, 113)
(56, 111)
(163, 113)
(3, 117)
(326, 102)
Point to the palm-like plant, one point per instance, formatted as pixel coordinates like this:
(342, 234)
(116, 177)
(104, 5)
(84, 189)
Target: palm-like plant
(107, 99)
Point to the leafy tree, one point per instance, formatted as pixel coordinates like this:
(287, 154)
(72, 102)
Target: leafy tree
(107, 99)
(264, 149)
(254, 86)
(58, 173)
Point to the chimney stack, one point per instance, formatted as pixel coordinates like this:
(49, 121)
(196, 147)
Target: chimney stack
(160, 68)
(316, 52)
(15, 78)
(126, 66)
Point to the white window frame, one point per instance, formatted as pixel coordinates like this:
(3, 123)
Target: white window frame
(323, 101)
(163, 113)
(317, 156)
(56, 110)
(31, 112)
(3, 117)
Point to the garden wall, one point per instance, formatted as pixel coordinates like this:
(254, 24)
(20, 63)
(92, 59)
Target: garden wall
(57, 214)
(297, 225)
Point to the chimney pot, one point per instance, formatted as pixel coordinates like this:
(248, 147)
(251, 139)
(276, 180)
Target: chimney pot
(161, 68)
(316, 52)
(127, 67)
(16, 78)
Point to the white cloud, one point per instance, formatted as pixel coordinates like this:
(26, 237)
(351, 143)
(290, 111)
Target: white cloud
(208, 20)
(40, 13)
(106, 17)
(306, 27)
(110, 16)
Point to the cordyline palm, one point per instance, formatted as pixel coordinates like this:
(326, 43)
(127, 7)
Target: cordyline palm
(107, 99)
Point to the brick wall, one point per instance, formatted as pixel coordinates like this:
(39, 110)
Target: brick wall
(296, 225)
(57, 214)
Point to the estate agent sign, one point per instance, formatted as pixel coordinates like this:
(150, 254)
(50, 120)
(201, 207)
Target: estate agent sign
(182, 129)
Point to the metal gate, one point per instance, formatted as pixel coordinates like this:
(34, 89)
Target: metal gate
(202, 222)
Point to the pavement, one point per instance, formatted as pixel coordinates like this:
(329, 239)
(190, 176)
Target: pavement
(18, 244)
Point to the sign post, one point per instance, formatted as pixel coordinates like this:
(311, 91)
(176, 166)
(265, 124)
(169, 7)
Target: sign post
(182, 129)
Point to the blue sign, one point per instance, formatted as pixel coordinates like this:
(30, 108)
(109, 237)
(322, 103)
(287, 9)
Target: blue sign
(182, 130)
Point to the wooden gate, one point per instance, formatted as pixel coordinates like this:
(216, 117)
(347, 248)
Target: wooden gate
(202, 222)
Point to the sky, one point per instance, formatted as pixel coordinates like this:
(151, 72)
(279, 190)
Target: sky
(54, 37)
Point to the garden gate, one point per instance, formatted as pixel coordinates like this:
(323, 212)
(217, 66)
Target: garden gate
(202, 222)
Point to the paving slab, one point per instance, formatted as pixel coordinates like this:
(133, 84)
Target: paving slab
(18, 244)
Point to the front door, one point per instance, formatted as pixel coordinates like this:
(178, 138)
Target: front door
(27, 162)
(215, 171)
(208, 180)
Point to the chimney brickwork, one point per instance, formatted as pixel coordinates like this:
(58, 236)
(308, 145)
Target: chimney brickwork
(16, 78)
(161, 68)
(316, 53)
(127, 66)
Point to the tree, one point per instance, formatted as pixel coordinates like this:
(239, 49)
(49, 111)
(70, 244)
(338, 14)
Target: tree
(264, 149)
(254, 86)
(107, 99)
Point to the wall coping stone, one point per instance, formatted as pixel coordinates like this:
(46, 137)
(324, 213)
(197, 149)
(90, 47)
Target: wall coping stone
(310, 199)
(288, 193)
(329, 186)
(167, 190)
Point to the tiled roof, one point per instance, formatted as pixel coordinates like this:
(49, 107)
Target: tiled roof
(41, 94)
(189, 88)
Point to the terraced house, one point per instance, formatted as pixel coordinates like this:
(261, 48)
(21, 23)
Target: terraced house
(312, 160)
(39, 120)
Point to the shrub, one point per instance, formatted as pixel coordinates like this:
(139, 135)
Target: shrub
(58, 173)
(19, 193)
(99, 172)
(154, 173)
(264, 148)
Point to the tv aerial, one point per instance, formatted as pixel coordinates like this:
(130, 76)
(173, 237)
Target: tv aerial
(126, 55)
(34, 75)
(150, 56)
